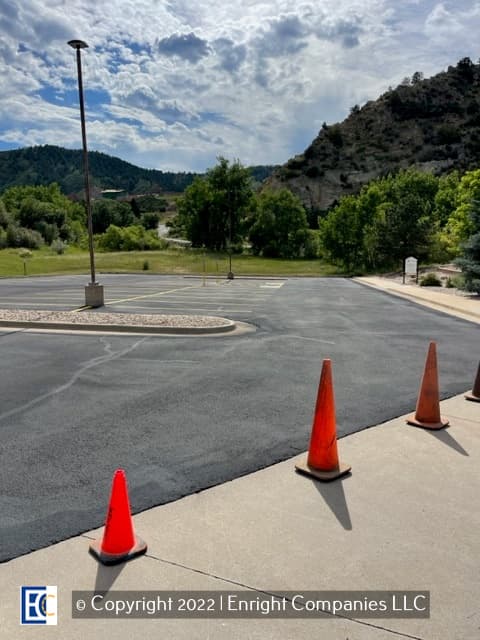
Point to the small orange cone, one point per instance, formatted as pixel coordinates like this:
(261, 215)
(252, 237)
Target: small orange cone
(322, 460)
(119, 543)
(475, 395)
(427, 414)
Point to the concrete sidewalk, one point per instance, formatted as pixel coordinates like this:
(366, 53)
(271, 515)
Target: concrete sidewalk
(407, 518)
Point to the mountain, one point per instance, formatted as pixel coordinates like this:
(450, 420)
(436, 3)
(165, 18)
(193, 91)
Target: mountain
(432, 124)
(48, 163)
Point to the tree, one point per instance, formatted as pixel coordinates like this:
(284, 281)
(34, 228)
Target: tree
(341, 235)
(466, 69)
(278, 226)
(459, 226)
(470, 260)
(106, 212)
(232, 191)
(213, 208)
(446, 197)
(417, 77)
(404, 223)
(195, 215)
(44, 209)
(391, 218)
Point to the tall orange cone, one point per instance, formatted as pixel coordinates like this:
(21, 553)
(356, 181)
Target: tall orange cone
(119, 542)
(475, 395)
(427, 414)
(322, 460)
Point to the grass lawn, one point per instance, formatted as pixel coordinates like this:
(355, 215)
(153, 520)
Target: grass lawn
(176, 261)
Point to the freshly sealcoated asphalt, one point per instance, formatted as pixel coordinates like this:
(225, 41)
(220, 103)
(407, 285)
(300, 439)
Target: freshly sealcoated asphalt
(180, 414)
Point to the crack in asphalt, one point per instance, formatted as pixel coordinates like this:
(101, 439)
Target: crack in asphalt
(110, 355)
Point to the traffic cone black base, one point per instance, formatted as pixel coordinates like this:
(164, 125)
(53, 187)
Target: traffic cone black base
(324, 476)
(111, 558)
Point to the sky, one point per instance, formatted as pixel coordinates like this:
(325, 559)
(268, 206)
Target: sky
(174, 84)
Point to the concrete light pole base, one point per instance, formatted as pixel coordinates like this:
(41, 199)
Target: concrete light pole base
(94, 295)
(230, 275)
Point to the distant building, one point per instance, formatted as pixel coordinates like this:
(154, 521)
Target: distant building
(113, 194)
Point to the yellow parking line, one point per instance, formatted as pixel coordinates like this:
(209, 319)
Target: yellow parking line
(152, 295)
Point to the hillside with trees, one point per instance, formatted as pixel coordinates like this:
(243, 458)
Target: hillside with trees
(430, 124)
(45, 164)
(410, 213)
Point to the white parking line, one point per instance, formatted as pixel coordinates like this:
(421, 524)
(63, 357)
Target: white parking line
(152, 295)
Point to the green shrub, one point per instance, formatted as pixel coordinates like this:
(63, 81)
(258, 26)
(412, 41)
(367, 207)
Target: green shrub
(21, 237)
(133, 238)
(49, 232)
(146, 265)
(149, 220)
(5, 217)
(430, 280)
(455, 282)
(58, 246)
(312, 246)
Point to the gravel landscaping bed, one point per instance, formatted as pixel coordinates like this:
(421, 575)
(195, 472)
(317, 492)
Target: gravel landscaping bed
(118, 319)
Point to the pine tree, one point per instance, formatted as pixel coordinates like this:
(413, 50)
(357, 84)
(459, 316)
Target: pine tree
(470, 261)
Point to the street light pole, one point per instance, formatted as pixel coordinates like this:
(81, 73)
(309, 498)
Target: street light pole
(93, 291)
(230, 275)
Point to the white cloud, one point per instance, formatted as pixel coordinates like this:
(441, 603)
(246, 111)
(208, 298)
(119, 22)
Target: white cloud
(172, 84)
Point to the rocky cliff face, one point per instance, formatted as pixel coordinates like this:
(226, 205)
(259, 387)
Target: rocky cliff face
(431, 124)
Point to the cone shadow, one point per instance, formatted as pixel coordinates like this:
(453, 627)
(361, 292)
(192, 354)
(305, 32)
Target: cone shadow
(334, 496)
(106, 576)
(449, 440)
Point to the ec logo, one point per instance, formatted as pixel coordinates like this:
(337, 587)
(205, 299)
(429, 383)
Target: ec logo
(38, 605)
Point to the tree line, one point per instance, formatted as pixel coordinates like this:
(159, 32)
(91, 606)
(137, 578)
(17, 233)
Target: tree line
(409, 213)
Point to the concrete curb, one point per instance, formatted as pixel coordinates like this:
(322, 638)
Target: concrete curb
(112, 328)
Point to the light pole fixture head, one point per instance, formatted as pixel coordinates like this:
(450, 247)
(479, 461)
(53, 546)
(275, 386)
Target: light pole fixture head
(78, 44)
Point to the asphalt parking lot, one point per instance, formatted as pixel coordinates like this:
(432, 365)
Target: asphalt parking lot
(184, 413)
(238, 299)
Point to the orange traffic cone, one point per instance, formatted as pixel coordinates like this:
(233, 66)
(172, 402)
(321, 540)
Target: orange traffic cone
(119, 542)
(322, 460)
(427, 413)
(475, 395)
